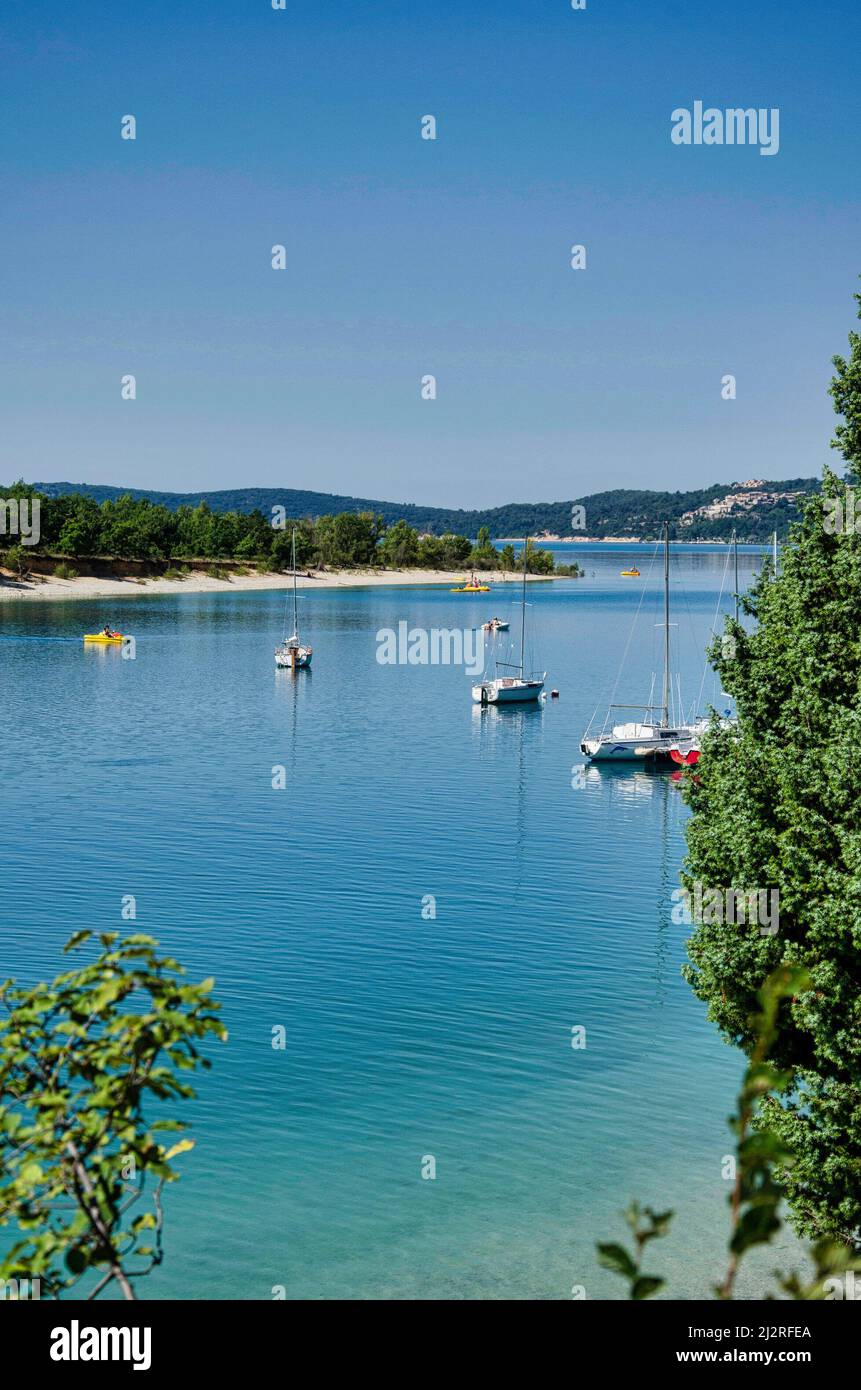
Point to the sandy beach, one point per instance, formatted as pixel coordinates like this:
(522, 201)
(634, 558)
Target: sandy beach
(86, 587)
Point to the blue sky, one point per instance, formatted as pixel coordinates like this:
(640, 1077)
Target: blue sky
(407, 257)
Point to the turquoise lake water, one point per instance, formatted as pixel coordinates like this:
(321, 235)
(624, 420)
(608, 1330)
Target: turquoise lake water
(406, 1036)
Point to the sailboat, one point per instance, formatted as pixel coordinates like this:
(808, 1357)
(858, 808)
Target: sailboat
(291, 653)
(516, 688)
(648, 737)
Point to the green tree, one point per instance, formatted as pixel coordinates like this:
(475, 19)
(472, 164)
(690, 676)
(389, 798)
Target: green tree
(484, 555)
(539, 561)
(135, 528)
(80, 1060)
(399, 547)
(455, 550)
(845, 392)
(777, 806)
(15, 560)
(350, 538)
(308, 544)
(255, 535)
(80, 526)
(190, 530)
(430, 553)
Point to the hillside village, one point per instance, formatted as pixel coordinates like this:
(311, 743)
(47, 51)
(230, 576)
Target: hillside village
(752, 494)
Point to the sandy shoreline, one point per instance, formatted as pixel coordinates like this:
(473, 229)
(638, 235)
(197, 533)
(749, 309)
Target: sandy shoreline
(87, 587)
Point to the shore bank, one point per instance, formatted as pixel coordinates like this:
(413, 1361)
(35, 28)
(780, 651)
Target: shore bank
(86, 587)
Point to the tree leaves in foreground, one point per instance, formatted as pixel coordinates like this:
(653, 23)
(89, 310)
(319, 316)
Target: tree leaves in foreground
(80, 1061)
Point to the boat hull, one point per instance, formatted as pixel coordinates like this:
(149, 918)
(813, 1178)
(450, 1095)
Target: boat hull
(688, 756)
(293, 659)
(103, 640)
(633, 750)
(513, 693)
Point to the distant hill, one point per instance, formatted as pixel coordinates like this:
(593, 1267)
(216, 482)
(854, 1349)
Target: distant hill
(755, 508)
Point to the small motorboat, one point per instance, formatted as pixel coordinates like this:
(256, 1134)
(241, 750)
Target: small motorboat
(495, 625)
(111, 638)
(632, 573)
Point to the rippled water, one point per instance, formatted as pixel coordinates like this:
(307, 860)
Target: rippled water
(406, 1036)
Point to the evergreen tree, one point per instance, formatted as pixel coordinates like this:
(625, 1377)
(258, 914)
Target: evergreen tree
(777, 806)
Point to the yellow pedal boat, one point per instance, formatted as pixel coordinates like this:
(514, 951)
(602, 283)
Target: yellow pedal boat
(472, 589)
(630, 574)
(115, 638)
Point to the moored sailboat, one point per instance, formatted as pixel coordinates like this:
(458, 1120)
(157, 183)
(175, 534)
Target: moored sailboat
(291, 654)
(517, 687)
(648, 737)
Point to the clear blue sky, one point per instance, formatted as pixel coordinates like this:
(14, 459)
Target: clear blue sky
(408, 257)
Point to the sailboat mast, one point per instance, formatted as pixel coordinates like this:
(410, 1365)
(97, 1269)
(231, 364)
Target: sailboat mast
(774, 546)
(666, 707)
(735, 554)
(523, 609)
(295, 611)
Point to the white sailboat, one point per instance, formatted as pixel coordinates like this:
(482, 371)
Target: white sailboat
(647, 737)
(291, 654)
(518, 687)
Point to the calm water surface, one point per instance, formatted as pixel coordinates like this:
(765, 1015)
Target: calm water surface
(406, 1036)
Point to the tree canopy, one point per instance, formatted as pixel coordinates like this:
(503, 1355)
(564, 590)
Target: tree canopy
(135, 528)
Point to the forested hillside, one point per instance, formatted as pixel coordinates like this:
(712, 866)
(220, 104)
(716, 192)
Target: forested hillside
(620, 512)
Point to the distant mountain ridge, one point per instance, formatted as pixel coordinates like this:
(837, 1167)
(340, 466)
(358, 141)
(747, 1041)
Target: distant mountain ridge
(755, 508)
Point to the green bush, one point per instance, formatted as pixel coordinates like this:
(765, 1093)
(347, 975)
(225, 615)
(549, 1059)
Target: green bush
(16, 560)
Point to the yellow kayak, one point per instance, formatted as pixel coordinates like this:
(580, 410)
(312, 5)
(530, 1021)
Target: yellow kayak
(630, 574)
(115, 639)
(472, 589)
